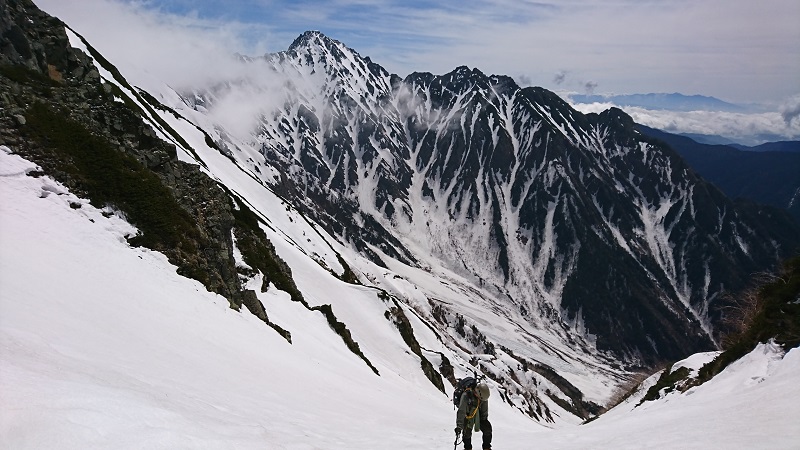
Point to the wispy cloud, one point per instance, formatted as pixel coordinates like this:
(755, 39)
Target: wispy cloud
(744, 128)
(182, 50)
(790, 111)
(524, 80)
(559, 77)
(737, 50)
(155, 46)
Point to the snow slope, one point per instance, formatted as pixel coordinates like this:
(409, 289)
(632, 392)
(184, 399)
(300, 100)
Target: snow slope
(751, 404)
(105, 346)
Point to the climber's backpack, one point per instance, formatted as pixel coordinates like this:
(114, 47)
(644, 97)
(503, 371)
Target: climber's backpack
(462, 385)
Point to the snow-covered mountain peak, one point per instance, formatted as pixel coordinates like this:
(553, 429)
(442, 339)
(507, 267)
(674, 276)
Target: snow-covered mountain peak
(310, 37)
(317, 58)
(510, 188)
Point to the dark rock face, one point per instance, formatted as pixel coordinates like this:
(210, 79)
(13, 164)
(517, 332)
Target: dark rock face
(578, 222)
(33, 39)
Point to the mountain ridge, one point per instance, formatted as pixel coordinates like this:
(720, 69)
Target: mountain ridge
(428, 136)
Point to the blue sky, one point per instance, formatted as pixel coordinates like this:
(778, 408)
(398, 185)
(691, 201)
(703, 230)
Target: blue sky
(736, 50)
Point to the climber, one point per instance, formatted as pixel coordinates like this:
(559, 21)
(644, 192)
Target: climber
(473, 413)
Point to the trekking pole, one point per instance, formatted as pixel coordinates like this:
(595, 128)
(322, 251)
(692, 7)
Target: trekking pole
(455, 444)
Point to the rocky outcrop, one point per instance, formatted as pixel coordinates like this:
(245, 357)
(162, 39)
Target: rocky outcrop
(57, 112)
(399, 319)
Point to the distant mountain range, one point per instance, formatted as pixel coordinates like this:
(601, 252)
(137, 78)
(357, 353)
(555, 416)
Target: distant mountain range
(774, 143)
(779, 146)
(660, 101)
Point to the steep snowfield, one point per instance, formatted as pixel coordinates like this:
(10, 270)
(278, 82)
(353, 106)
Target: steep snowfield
(105, 346)
(752, 404)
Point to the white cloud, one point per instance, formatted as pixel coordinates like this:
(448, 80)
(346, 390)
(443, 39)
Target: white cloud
(744, 128)
(737, 50)
(153, 48)
(180, 50)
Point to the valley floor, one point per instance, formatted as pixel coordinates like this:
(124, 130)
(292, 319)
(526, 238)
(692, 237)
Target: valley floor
(105, 346)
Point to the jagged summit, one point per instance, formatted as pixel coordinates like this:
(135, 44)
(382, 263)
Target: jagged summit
(316, 58)
(465, 71)
(311, 37)
(316, 42)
